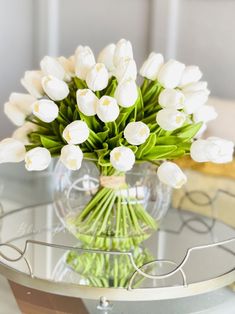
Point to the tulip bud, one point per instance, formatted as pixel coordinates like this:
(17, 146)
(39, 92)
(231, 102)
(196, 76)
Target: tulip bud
(32, 83)
(126, 93)
(213, 149)
(21, 134)
(37, 159)
(196, 87)
(84, 60)
(76, 132)
(86, 101)
(191, 74)
(136, 133)
(55, 88)
(11, 150)
(122, 158)
(205, 114)
(151, 66)
(107, 109)
(106, 56)
(126, 70)
(19, 107)
(170, 119)
(194, 100)
(122, 51)
(171, 174)
(97, 77)
(46, 110)
(170, 74)
(171, 98)
(71, 157)
(51, 66)
(68, 66)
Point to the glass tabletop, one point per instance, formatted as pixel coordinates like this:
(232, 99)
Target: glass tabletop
(36, 250)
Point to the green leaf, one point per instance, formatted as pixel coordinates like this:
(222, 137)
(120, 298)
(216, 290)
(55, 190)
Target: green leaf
(189, 131)
(80, 84)
(139, 106)
(147, 146)
(90, 156)
(159, 152)
(169, 140)
(55, 151)
(49, 142)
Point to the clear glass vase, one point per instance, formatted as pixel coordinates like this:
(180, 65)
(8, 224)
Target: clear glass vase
(107, 210)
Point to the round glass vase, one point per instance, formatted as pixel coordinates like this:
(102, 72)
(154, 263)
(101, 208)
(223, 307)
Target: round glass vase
(110, 212)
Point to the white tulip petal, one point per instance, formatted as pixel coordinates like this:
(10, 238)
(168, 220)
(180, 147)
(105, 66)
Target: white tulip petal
(170, 119)
(191, 74)
(71, 157)
(150, 68)
(19, 107)
(86, 101)
(205, 114)
(126, 93)
(126, 70)
(122, 158)
(76, 132)
(11, 150)
(21, 134)
(32, 83)
(54, 88)
(107, 109)
(194, 100)
(170, 74)
(123, 50)
(97, 77)
(84, 61)
(51, 66)
(196, 87)
(37, 159)
(171, 98)
(46, 110)
(171, 174)
(106, 56)
(68, 66)
(136, 133)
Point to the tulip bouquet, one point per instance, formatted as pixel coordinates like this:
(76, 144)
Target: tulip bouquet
(78, 109)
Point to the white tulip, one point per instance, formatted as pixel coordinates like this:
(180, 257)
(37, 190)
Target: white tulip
(21, 134)
(194, 100)
(195, 87)
(170, 119)
(54, 88)
(171, 174)
(107, 109)
(71, 157)
(171, 98)
(19, 107)
(126, 70)
(201, 131)
(213, 149)
(51, 66)
(205, 114)
(136, 133)
(68, 66)
(86, 101)
(11, 150)
(106, 56)
(123, 50)
(170, 74)
(191, 74)
(122, 158)
(97, 77)
(46, 110)
(37, 159)
(126, 93)
(84, 60)
(76, 132)
(151, 66)
(32, 83)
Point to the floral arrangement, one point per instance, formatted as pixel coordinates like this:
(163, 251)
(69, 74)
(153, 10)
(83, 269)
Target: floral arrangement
(78, 109)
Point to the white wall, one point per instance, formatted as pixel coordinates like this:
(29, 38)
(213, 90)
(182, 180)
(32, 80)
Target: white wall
(194, 31)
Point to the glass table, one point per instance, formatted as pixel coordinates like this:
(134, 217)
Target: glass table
(191, 258)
